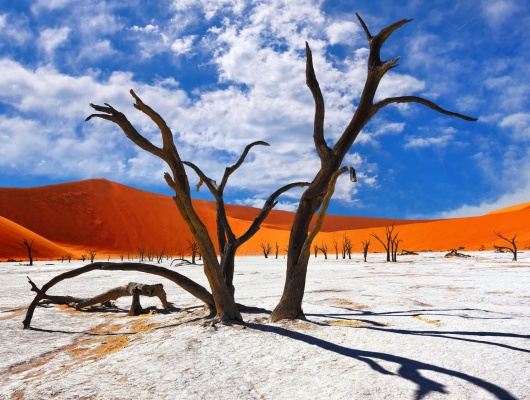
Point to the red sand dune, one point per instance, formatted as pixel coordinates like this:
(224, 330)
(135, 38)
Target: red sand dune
(114, 219)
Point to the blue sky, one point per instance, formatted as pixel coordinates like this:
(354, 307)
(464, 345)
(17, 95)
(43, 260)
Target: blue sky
(224, 73)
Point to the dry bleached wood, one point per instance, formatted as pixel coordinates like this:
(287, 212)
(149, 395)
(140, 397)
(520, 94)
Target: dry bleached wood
(184, 282)
(156, 290)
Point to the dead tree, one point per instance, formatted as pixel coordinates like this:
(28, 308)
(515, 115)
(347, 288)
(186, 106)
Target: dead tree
(395, 244)
(366, 245)
(512, 249)
(28, 247)
(226, 307)
(228, 242)
(347, 247)
(92, 254)
(324, 249)
(185, 283)
(389, 244)
(277, 248)
(160, 256)
(194, 248)
(290, 305)
(141, 252)
(336, 247)
(316, 249)
(266, 248)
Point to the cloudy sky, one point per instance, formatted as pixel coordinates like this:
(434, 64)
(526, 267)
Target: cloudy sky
(224, 73)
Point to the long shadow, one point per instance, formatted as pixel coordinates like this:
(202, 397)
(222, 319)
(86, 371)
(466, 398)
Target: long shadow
(404, 313)
(409, 369)
(449, 335)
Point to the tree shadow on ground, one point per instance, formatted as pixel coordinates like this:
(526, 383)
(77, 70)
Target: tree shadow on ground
(409, 369)
(407, 313)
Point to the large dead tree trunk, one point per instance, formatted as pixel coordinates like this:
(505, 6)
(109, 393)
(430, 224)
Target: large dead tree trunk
(185, 283)
(290, 305)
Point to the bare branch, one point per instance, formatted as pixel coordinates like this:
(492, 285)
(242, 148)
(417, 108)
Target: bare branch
(266, 209)
(312, 83)
(415, 99)
(210, 183)
(130, 131)
(230, 170)
(365, 28)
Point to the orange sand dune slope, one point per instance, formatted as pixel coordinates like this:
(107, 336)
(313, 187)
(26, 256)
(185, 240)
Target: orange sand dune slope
(114, 219)
(11, 243)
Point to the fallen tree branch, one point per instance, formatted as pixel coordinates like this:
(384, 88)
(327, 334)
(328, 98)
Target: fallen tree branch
(187, 284)
(111, 294)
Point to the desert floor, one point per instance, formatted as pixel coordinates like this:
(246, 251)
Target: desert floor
(425, 327)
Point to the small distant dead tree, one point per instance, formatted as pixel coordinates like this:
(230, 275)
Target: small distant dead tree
(28, 247)
(347, 247)
(277, 247)
(160, 256)
(266, 248)
(336, 247)
(92, 254)
(366, 245)
(83, 257)
(316, 249)
(388, 245)
(512, 249)
(482, 248)
(194, 248)
(394, 245)
(69, 257)
(324, 249)
(141, 252)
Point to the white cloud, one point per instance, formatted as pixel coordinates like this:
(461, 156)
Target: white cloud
(497, 12)
(51, 39)
(342, 32)
(183, 45)
(519, 123)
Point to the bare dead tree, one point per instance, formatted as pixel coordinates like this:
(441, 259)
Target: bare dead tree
(316, 249)
(160, 256)
(92, 254)
(512, 249)
(277, 249)
(141, 252)
(194, 248)
(83, 257)
(28, 247)
(290, 305)
(395, 244)
(266, 248)
(324, 249)
(336, 247)
(347, 246)
(366, 245)
(388, 244)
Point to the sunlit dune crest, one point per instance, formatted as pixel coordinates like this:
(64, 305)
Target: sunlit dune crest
(113, 220)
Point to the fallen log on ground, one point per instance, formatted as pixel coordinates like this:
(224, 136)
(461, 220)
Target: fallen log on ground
(187, 284)
(112, 294)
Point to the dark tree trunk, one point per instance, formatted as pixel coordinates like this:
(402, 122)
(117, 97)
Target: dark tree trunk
(290, 305)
